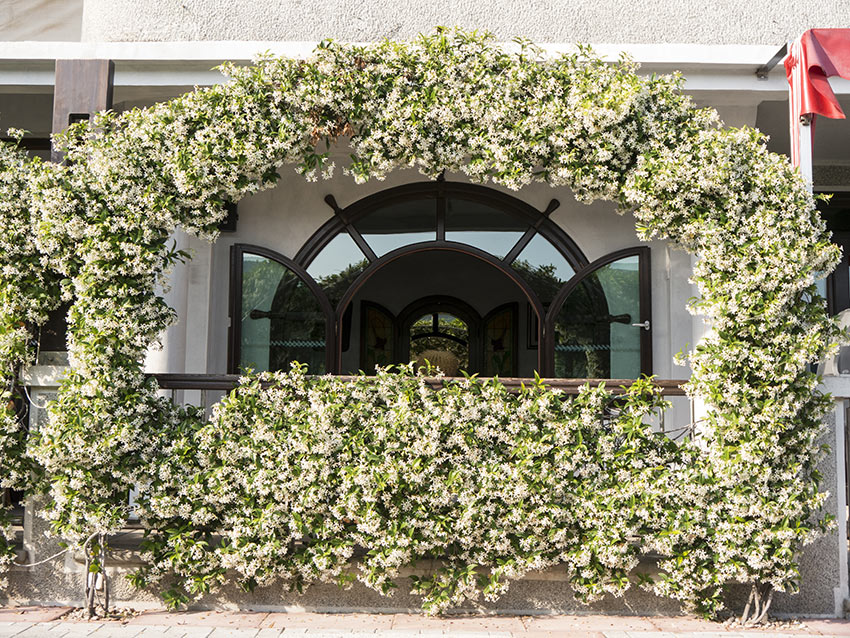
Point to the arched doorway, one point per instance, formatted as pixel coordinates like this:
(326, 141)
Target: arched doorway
(449, 297)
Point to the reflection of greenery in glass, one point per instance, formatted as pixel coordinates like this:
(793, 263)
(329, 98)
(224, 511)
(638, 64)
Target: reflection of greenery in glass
(446, 324)
(260, 277)
(282, 320)
(336, 284)
(542, 279)
(547, 267)
(399, 224)
(593, 332)
(582, 338)
(340, 260)
(478, 224)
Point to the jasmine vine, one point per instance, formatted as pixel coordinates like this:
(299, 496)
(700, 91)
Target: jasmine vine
(736, 507)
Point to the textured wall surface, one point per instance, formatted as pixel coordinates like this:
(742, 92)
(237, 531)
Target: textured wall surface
(54, 20)
(601, 21)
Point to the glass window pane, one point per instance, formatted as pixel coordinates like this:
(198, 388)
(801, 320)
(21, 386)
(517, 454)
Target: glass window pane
(593, 333)
(490, 229)
(443, 340)
(399, 225)
(282, 320)
(337, 266)
(544, 268)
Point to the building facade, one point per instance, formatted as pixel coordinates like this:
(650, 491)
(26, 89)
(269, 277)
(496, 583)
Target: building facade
(345, 276)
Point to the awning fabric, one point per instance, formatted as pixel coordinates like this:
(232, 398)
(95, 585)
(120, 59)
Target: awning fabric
(817, 55)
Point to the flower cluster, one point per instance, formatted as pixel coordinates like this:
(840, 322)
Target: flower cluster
(737, 507)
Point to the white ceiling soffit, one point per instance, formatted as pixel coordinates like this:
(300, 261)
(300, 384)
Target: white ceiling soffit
(707, 68)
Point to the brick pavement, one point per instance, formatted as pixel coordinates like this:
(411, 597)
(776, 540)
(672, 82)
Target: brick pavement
(54, 622)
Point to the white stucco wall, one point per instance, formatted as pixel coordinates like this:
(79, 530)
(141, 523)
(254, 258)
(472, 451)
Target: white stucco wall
(40, 20)
(664, 21)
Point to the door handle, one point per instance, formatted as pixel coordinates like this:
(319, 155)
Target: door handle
(645, 325)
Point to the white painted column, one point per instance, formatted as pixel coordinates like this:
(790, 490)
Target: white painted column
(842, 591)
(806, 132)
(171, 357)
(198, 297)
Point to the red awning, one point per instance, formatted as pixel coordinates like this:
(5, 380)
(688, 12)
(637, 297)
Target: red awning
(817, 55)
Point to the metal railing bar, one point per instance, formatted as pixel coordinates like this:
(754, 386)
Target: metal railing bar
(207, 382)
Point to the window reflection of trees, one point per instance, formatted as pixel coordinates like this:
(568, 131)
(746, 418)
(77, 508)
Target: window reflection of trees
(583, 328)
(542, 279)
(274, 293)
(336, 284)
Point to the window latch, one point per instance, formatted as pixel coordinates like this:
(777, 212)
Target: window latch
(645, 325)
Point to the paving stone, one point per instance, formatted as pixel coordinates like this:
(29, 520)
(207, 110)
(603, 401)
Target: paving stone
(73, 629)
(828, 626)
(187, 631)
(329, 622)
(119, 629)
(32, 614)
(411, 621)
(9, 629)
(219, 624)
(587, 624)
(38, 630)
(236, 620)
(232, 632)
(684, 624)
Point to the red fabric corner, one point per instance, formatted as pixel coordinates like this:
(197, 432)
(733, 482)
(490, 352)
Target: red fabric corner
(816, 56)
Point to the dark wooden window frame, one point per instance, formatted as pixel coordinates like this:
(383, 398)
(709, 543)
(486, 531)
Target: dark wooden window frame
(538, 222)
(441, 303)
(428, 246)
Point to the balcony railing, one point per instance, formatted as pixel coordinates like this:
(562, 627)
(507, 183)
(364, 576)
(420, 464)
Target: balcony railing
(205, 390)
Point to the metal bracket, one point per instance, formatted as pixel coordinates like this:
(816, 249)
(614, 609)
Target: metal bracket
(765, 69)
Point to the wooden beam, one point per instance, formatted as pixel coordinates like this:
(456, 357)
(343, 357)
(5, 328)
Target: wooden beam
(82, 88)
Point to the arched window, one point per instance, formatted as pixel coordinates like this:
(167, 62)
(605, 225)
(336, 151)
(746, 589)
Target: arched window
(356, 279)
